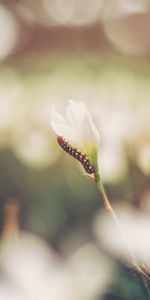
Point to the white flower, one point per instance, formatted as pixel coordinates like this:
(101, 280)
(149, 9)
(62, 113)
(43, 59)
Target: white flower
(77, 128)
(137, 228)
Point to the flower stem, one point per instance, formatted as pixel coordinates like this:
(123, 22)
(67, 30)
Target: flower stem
(112, 213)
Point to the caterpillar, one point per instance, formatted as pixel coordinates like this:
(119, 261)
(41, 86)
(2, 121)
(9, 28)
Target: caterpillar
(76, 154)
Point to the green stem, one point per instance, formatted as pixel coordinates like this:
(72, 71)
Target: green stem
(112, 213)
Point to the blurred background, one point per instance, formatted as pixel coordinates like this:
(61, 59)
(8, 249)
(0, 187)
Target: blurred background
(56, 241)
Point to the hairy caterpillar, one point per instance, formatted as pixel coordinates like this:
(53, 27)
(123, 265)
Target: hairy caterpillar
(76, 154)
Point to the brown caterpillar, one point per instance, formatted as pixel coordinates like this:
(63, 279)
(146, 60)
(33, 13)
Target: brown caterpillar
(76, 154)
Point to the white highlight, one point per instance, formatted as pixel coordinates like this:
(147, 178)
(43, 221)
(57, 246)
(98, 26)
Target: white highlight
(8, 32)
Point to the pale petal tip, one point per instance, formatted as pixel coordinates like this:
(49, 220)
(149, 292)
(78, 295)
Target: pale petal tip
(71, 101)
(74, 102)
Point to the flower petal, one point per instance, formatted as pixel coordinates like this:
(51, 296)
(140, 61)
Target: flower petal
(78, 118)
(74, 115)
(78, 128)
(88, 128)
(56, 118)
(59, 126)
